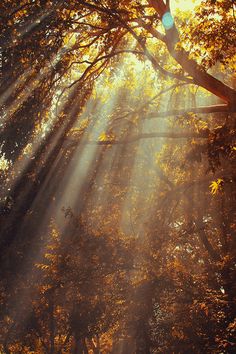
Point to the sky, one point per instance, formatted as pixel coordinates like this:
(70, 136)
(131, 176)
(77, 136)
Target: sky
(184, 5)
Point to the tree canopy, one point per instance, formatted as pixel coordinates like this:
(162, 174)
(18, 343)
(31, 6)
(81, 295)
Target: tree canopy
(117, 172)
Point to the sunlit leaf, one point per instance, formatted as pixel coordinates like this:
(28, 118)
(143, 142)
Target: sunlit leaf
(216, 186)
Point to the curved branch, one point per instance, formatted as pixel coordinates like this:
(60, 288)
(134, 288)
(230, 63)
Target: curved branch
(200, 76)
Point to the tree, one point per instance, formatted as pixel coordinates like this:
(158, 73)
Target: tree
(118, 167)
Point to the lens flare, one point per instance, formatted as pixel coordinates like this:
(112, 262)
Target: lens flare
(167, 21)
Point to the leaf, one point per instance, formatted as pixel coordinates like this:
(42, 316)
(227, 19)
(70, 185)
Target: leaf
(216, 186)
(103, 137)
(106, 137)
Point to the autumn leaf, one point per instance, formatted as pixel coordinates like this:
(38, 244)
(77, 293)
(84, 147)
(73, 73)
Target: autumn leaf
(106, 137)
(216, 186)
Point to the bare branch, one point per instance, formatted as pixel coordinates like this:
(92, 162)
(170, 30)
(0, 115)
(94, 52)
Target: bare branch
(132, 139)
(220, 108)
(152, 30)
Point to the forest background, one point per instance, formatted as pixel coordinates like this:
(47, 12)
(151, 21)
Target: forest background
(117, 173)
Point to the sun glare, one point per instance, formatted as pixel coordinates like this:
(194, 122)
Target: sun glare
(187, 5)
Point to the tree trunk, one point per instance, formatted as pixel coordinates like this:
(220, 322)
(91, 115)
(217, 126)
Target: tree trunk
(204, 239)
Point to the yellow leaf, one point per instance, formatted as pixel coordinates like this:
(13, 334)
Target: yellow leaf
(103, 137)
(215, 186)
(106, 137)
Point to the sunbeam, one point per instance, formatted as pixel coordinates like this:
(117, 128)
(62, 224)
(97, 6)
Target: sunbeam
(117, 174)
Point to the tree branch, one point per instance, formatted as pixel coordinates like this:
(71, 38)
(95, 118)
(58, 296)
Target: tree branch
(204, 239)
(220, 108)
(132, 139)
(153, 31)
(153, 60)
(200, 76)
